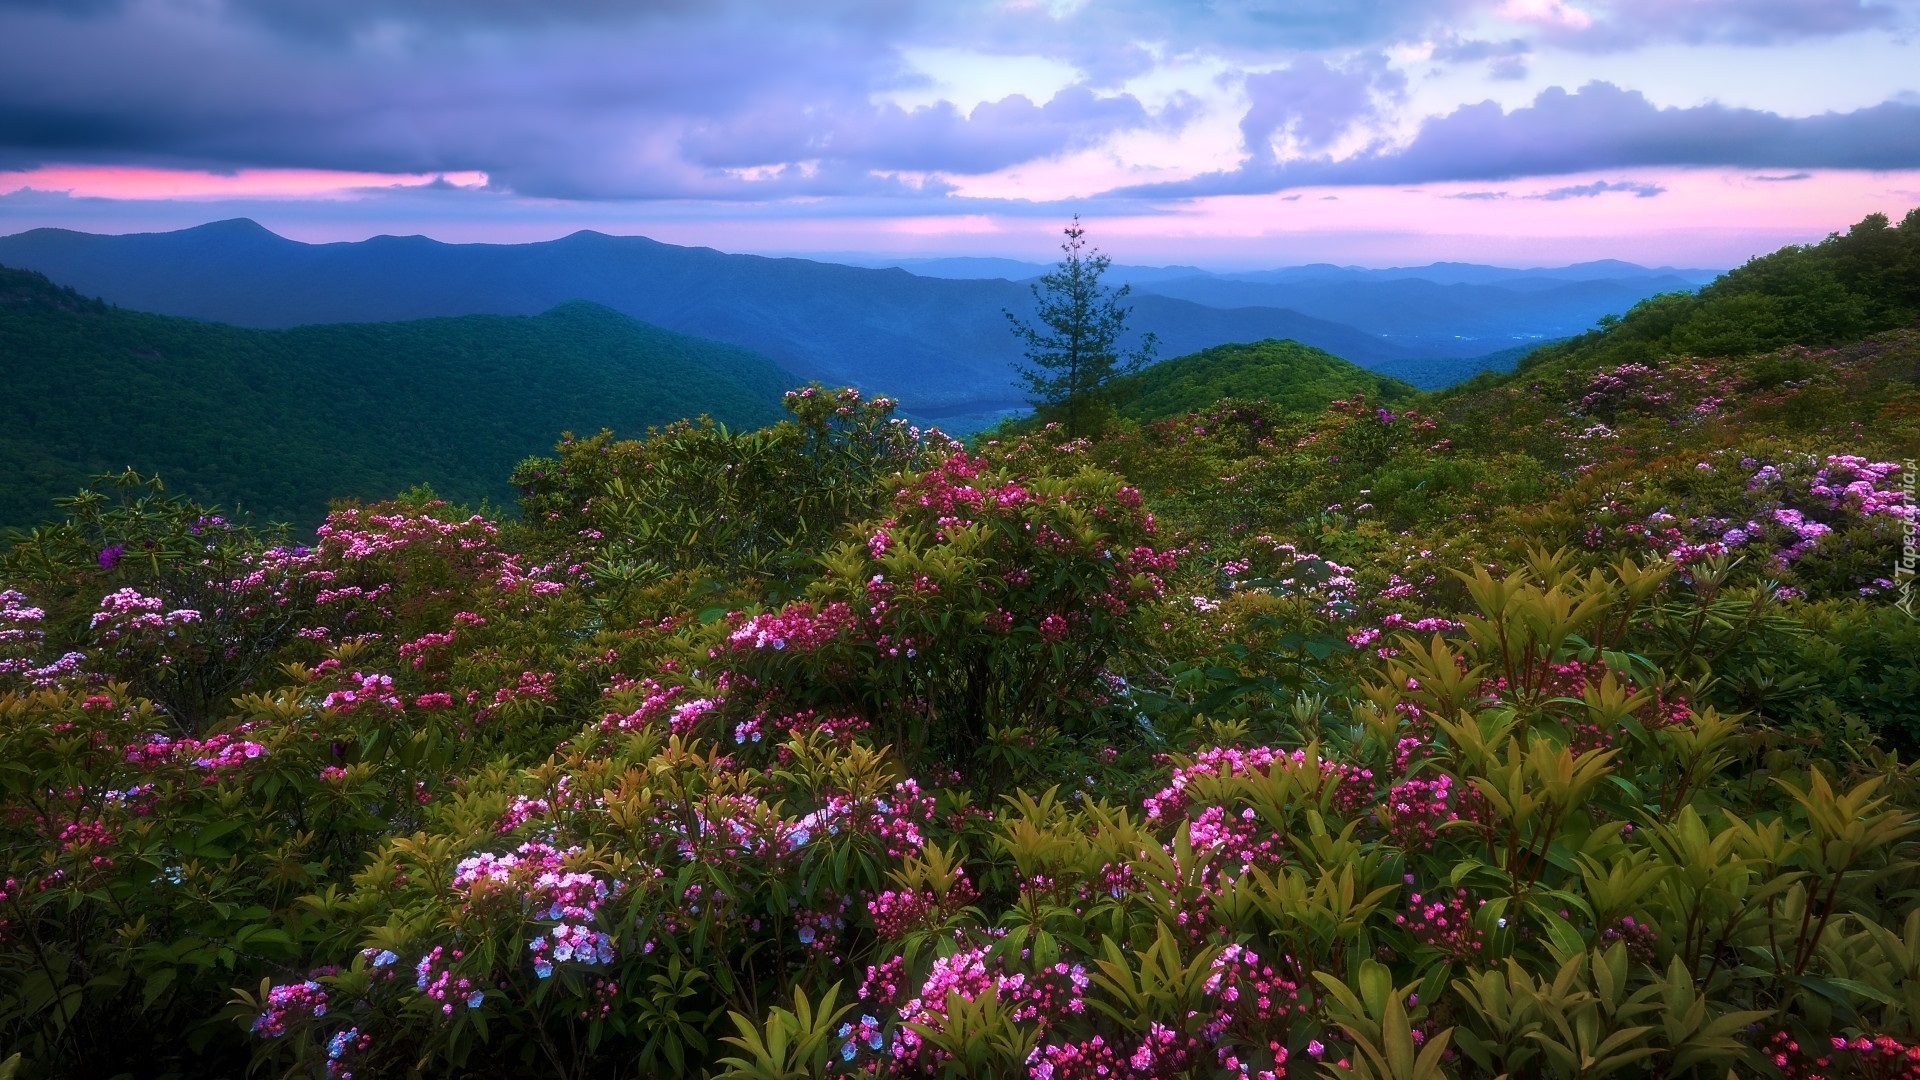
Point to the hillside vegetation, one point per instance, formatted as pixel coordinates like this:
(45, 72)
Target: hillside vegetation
(1291, 376)
(1558, 726)
(1847, 286)
(282, 421)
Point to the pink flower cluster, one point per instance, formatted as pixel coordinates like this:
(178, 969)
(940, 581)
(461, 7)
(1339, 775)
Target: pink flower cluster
(1881, 1057)
(216, 752)
(1638, 935)
(1240, 980)
(1445, 924)
(126, 613)
(778, 726)
(799, 625)
(1238, 841)
(286, 1002)
(897, 822)
(1247, 998)
(1626, 384)
(656, 702)
(534, 878)
(364, 693)
(415, 651)
(687, 715)
(897, 913)
(1855, 481)
(20, 633)
(472, 546)
(434, 976)
(952, 491)
(970, 973)
(520, 811)
(1416, 809)
(1353, 784)
(528, 686)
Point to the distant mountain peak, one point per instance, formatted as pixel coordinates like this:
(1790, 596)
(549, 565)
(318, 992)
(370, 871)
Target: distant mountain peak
(583, 310)
(240, 226)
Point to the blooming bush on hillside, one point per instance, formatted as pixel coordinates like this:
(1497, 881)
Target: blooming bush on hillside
(1244, 746)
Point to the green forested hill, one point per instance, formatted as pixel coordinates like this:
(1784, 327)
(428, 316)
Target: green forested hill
(280, 421)
(1295, 377)
(1846, 287)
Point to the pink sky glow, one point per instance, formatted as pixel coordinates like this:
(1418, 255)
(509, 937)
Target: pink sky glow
(1183, 132)
(1712, 217)
(142, 182)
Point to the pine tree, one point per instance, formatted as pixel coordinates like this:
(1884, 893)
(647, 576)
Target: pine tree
(1072, 355)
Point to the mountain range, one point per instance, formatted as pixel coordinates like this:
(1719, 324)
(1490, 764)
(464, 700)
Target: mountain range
(939, 343)
(941, 346)
(1439, 311)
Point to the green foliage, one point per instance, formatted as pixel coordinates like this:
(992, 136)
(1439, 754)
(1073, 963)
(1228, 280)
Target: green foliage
(126, 532)
(1548, 728)
(697, 498)
(1845, 287)
(282, 421)
(1295, 378)
(986, 615)
(1073, 356)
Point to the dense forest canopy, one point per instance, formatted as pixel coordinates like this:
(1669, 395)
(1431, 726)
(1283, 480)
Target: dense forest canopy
(281, 421)
(1560, 725)
(1293, 377)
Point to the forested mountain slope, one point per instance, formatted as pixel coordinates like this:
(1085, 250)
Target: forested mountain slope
(940, 346)
(1289, 375)
(281, 421)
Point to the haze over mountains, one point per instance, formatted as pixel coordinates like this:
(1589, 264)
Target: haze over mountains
(1442, 310)
(937, 341)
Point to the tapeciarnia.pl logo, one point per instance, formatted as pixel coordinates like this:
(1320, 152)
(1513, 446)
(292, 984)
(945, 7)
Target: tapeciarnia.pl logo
(1903, 571)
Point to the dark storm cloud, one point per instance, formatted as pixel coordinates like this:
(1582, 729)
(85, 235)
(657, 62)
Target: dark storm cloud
(1598, 127)
(762, 99)
(555, 111)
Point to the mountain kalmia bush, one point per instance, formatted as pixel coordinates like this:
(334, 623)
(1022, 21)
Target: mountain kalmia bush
(1547, 729)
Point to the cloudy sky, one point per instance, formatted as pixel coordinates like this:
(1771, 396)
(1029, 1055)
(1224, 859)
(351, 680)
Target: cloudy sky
(1218, 132)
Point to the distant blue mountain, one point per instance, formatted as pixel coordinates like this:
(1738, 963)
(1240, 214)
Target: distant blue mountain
(1434, 373)
(942, 346)
(1434, 318)
(1440, 273)
(973, 268)
(1454, 273)
(1440, 312)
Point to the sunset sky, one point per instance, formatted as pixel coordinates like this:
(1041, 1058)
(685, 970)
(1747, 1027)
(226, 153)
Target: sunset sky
(1227, 134)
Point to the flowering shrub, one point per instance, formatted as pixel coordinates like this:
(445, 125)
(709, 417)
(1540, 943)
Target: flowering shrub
(697, 497)
(982, 603)
(1424, 740)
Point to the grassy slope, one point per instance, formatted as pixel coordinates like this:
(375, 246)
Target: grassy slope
(280, 421)
(1292, 376)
